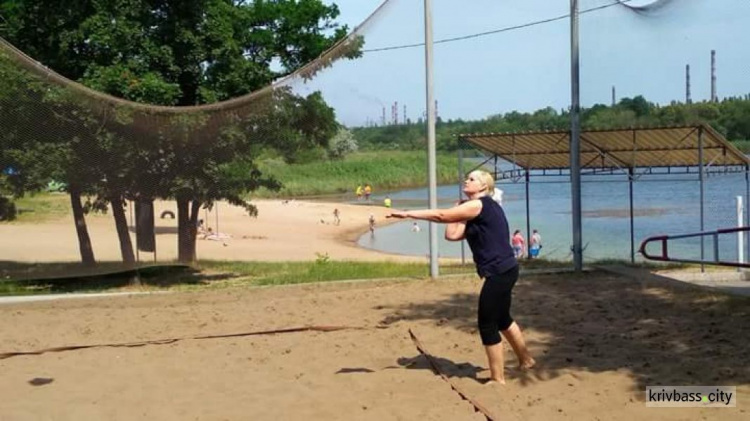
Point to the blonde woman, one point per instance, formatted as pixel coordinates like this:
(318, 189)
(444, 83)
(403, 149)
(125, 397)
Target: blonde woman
(482, 222)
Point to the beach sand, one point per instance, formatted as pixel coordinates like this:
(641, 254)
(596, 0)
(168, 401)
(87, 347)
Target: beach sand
(283, 231)
(599, 340)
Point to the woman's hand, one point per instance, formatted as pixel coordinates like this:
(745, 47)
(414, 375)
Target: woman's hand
(398, 215)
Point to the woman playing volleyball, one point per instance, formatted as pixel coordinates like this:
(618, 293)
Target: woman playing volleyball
(482, 222)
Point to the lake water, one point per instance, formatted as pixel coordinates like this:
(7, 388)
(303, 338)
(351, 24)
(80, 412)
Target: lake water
(662, 205)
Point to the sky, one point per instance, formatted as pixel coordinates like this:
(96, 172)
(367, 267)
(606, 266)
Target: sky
(528, 68)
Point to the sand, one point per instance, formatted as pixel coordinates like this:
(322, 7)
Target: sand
(599, 340)
(283, 231)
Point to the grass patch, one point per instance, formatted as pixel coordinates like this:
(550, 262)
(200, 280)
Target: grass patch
(384, 170)
(321, 270)
(42, 207)
(27, 279)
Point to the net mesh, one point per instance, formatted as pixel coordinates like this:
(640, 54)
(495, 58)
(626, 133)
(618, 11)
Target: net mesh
(106, 182)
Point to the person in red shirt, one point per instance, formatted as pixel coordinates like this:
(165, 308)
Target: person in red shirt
(518, 244)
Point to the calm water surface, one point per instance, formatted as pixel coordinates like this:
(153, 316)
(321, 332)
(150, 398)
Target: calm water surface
(662, 205)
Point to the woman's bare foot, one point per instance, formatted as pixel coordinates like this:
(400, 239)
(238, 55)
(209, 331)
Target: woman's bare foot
(494, 381)
(528, 364)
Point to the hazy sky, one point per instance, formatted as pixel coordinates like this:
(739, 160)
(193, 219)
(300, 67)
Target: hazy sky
(529, 68)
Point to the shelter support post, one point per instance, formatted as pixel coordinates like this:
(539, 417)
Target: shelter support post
(740, 235)
(632, 231)
(700, 180)
(528, 219)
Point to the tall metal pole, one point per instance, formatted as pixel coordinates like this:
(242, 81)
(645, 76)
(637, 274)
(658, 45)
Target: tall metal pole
(700, 180)
(632, 230)
(431, 160)
(575, 138)
(461, 177)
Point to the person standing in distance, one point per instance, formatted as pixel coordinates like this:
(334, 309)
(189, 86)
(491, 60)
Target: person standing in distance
(535, 244)
(482, 222)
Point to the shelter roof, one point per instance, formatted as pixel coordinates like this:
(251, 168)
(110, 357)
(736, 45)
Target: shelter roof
(611, 149)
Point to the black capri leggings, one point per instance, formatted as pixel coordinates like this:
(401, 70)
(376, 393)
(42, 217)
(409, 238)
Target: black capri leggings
(494, 306)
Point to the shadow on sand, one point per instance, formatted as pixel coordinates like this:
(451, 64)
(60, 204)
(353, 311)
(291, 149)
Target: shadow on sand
(28, 278)
(663, 334)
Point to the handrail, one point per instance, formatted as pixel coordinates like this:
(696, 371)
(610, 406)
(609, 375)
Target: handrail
(664, 239)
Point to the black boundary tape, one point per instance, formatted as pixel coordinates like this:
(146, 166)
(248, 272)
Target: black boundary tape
(436, 368)
(5, 355)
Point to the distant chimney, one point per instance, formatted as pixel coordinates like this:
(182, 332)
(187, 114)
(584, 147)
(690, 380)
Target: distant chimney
(713, 76)
(614, 97)
(688, 100)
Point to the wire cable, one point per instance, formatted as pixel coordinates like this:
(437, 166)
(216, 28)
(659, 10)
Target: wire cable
(497, 31)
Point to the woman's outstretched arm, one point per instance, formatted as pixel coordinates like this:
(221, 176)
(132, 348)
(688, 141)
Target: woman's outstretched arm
(460, 213)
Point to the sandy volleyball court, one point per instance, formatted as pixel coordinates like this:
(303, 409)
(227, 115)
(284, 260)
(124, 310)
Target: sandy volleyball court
(599, 340)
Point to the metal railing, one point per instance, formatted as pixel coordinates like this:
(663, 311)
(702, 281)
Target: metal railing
(716, 259)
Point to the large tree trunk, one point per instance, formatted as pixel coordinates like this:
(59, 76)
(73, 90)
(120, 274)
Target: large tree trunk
(195, 208)
(187, 228)
(185, 247)
(84, 241)
(121, 223)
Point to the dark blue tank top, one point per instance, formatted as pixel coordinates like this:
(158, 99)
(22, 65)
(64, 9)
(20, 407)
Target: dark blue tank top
(489, 239)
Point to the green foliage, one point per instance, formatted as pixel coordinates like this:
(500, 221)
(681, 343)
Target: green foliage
(172, 52)
(731, 117)
(167, 53)
(342, 144)
(299, 128)
(322, 258)
(383, 170)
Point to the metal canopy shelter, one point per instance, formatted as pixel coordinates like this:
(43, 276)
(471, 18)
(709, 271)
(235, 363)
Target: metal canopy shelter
(635, 151)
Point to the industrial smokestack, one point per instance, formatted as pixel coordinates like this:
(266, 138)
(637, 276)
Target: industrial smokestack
(614, 96)
(713, 76)
(688, 100)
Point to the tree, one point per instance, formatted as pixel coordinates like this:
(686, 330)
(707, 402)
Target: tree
(33, 117)
(342, 144)
(173, 52)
